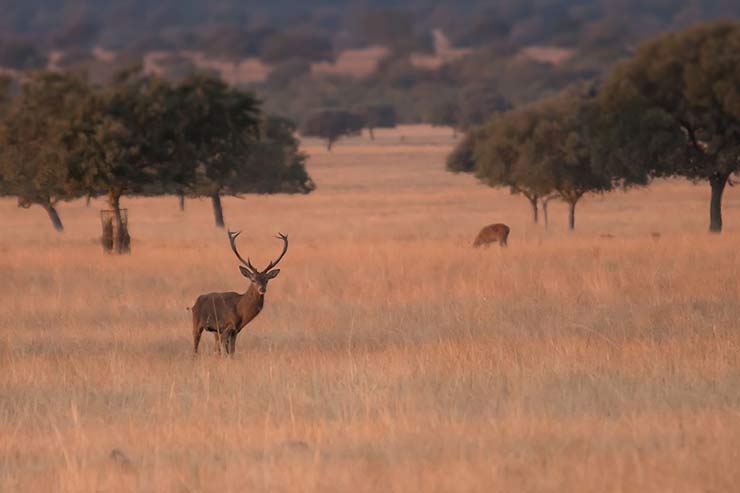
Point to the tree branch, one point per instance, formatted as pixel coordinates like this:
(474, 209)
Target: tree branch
(691, 134)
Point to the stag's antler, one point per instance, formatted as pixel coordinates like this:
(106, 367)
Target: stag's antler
(232, 240)
(248, 263)
(274, 263)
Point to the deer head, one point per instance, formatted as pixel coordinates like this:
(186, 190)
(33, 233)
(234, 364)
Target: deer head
(258, 277)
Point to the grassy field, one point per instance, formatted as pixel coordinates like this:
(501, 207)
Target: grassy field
(390, 355)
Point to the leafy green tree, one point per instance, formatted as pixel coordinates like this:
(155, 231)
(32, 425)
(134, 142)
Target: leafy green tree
(478, 102)
(445, 114)
(176, 171)
(332, 124)
(288, 72)
(304, 45)
(33, 158)
(115, 146)
(561, 148)
(673, 109)
(462, 157)
(77, 33)
(218, 127)
(499, 156)
(20, 54)
(378, 116)
(538, 150)
(274, 163)
(6, 92)
(231, 42)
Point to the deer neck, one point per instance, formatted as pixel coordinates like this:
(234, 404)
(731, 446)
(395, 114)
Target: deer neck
(250, 303)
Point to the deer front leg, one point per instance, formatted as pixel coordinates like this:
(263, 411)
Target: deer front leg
(232, 343)
(228, 339)
(223, 342)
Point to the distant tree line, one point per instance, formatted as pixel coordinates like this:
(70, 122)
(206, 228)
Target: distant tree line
(672, 109)
(62, 139)
(290, 37)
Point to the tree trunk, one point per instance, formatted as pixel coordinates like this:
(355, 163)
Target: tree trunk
(121, 241)
(329, 143)
(372, 133)
(545, 201)
(218, 211)
(572, 215)
(718, 183)
(54, 216)
(87, 200)
(181, 200)
(533, 199)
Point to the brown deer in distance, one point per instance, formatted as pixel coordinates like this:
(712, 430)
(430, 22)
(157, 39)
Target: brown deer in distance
(493, 233)
(225, 314)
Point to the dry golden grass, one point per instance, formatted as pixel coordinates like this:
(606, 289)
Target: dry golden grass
(390, 355)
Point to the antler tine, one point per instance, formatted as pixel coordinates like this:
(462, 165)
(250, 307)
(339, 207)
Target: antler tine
(249, 264)
(232, 241)
(274, 263)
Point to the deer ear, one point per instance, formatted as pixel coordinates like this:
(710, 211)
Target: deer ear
(272, 274)
(246, 273)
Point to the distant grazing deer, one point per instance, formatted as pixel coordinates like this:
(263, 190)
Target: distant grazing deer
(493, 233)
(225, 314)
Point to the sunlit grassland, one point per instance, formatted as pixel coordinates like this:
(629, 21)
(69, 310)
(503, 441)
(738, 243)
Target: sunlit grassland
(390, 356)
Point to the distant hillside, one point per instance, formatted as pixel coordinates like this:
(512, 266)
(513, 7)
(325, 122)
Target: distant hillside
(326, 53)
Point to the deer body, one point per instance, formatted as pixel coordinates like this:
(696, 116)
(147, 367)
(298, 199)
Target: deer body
(226, 314)
(493, 233)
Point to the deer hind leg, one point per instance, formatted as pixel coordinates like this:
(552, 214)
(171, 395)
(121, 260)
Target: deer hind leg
(223, 346)
(197, 332)
(217, 340)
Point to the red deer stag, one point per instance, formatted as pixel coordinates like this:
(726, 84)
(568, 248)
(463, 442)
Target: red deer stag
(225, 314)
(493, 233)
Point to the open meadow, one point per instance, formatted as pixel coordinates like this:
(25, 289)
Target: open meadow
(390, 355)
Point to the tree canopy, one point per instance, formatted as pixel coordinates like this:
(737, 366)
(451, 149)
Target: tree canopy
(378, 116)
(538, 149)
(502, 155)
(478, 102)
(561, 146)
(332, 124)
(445, 114)
(218, 123)
(673, 109)
(62, 138)
(20, 53)
(33, 154)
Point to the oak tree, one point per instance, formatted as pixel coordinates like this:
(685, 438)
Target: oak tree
(332, 124)
(673, 109)
(34, 161)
